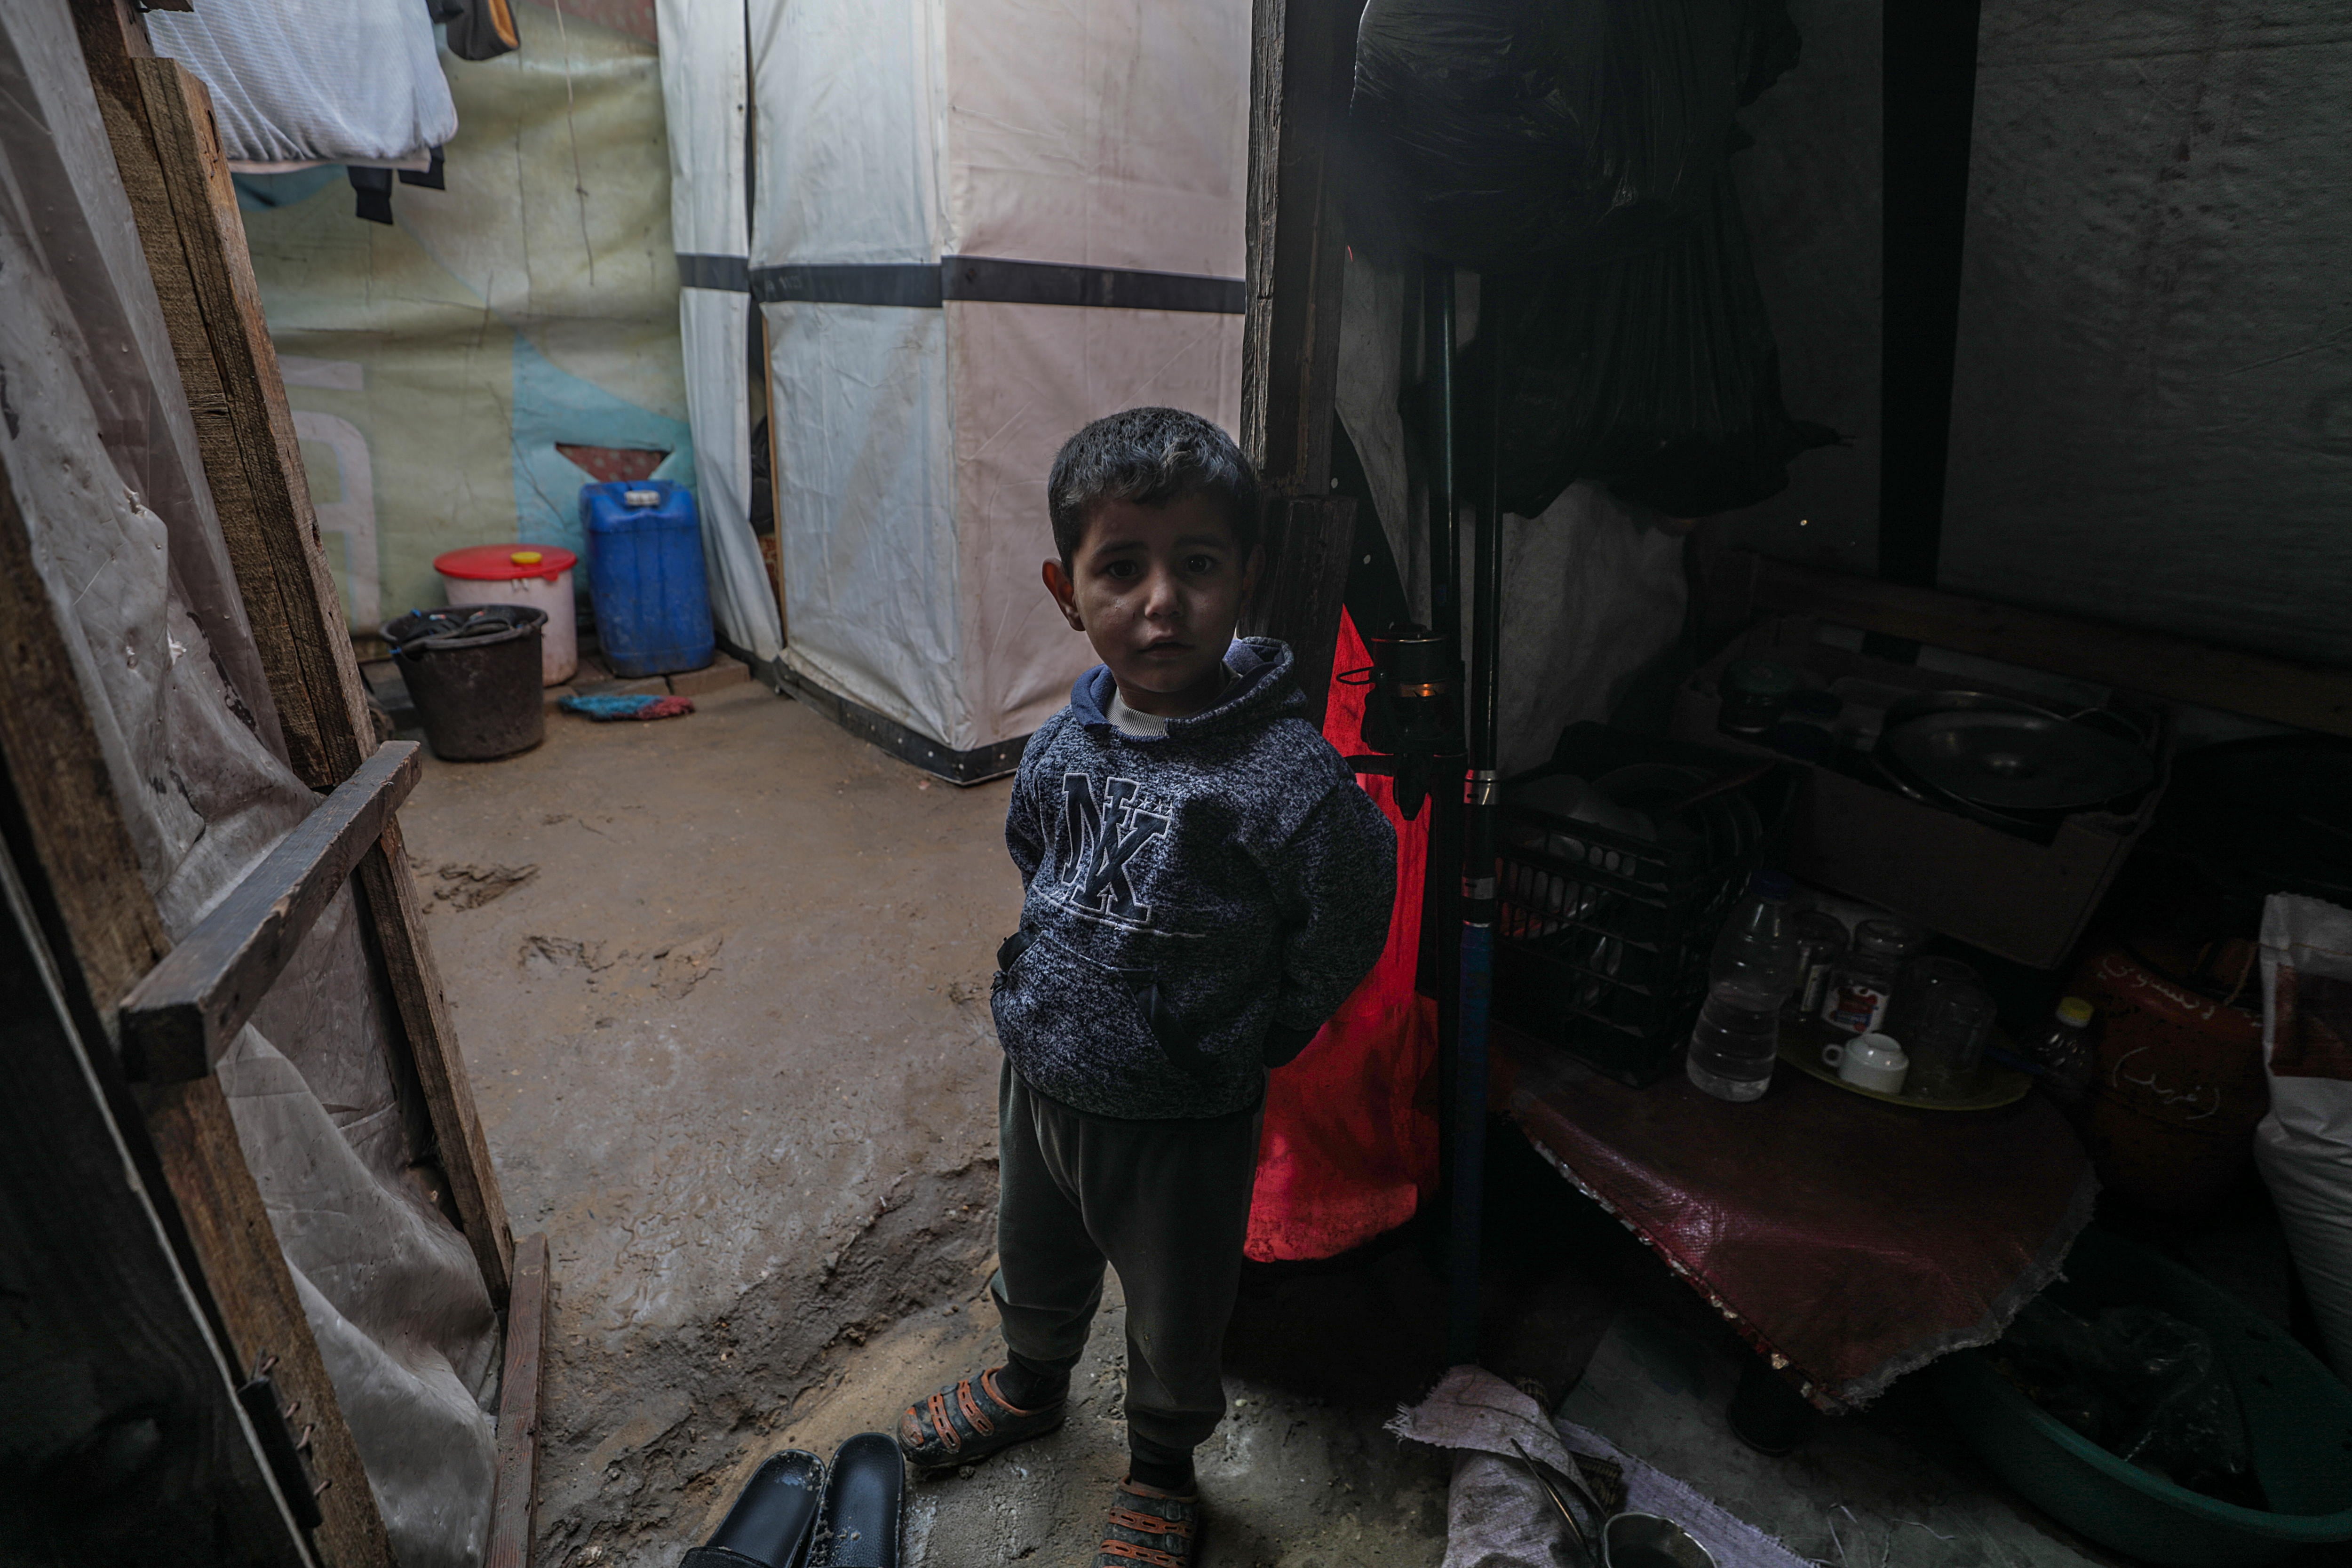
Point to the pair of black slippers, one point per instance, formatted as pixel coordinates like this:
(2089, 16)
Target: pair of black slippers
(794, 1513)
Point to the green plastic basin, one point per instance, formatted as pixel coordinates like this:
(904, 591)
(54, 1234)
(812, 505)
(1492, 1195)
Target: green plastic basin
(2298, 1428)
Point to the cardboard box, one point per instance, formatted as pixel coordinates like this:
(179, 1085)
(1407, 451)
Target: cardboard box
(2008, 895)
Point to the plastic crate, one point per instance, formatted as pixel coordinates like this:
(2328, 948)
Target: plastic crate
(1601, 936)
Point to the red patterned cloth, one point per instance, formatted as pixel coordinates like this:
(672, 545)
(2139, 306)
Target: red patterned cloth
(1853, 1239)
(1350, 1127)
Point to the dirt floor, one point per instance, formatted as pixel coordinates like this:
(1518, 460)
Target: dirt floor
(722, 981)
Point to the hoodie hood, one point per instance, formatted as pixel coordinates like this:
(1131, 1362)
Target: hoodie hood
(1262, 690)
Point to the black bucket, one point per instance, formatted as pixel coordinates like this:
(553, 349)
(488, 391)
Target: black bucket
(473, 671)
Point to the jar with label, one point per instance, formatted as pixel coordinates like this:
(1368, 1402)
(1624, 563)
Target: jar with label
(1862, 982)
(1821, 942)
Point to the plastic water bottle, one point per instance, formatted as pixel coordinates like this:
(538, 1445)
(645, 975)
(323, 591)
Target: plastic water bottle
(1755, 968)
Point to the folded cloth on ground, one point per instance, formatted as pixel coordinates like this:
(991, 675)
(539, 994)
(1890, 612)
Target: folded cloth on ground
(1497, 1514)
(606, 707)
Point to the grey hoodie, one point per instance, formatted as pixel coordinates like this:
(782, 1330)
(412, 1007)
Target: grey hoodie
(1197, 903)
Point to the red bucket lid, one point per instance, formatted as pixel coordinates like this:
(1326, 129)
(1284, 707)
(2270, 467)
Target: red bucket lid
(505, 563)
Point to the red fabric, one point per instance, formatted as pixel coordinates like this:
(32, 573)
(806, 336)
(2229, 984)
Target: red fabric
(1350, 1138)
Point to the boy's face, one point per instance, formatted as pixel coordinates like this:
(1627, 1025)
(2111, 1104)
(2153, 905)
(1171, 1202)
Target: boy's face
(1157, 590)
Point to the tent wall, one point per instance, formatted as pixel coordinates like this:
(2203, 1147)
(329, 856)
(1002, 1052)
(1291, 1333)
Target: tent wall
(706, 94)
(2147, 393)
(533, 302)
(2152, 407)
(921, 387)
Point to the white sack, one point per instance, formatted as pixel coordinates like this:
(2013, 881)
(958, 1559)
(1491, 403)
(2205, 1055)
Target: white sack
(332, 81)
(2304, 1145)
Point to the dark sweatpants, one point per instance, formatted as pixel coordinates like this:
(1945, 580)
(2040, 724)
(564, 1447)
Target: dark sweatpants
(1167, 1204)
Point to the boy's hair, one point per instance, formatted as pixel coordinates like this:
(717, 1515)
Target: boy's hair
(1151, 457)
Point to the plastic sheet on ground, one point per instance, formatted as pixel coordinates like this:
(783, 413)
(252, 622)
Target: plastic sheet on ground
(100, 450)
(1497, 1514)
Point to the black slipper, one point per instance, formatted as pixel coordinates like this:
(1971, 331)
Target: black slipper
(968, 1421)
(862, 1504)
(773, 1522)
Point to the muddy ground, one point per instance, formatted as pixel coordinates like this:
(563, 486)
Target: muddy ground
(722, 982)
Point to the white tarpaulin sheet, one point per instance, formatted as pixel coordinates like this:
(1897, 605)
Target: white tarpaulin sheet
(100, 447)
(706, 93)
(917, 406)
(298, 81)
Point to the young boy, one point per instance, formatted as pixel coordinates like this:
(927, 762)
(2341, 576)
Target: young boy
(1205, 885)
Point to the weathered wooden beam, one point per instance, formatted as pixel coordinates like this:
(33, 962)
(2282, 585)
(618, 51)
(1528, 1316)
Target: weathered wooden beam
(2151, 663)
(514, 1509)
(159, 119)
(1302, 54)
(1302, 601)
(177, 1022)
(416, 981)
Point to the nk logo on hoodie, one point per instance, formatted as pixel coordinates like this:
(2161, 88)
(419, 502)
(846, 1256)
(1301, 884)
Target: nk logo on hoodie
(1101, 835)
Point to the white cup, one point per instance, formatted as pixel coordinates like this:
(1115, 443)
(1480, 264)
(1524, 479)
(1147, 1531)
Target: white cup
(1869, 1061)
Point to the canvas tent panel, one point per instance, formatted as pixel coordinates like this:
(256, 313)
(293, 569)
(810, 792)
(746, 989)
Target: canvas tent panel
(706, 93)
(864, 511)
(1023, 377)
(2152, 400)
(1114, 133)
(929, 178)
(847, 132)
(713, 331)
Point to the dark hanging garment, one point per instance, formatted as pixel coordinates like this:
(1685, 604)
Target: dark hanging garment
(479, 30)
(1578, 154)
(371, 189)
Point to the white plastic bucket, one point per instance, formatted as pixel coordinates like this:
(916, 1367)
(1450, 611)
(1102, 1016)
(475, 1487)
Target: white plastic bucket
(537, 575)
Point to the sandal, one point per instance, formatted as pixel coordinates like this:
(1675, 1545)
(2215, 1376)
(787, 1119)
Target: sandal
(968, 1421)
(1149, 1529)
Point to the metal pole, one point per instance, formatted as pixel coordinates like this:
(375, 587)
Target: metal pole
(1468, 1153)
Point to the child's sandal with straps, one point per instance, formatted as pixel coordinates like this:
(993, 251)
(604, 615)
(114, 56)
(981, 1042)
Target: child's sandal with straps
(969, 1420)
(1149, 1529)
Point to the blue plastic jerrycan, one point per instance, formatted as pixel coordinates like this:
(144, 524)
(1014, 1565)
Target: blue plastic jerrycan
(645, 577)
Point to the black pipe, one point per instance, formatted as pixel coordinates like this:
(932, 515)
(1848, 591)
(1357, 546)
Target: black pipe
(1442, 903)
(1468, 1153)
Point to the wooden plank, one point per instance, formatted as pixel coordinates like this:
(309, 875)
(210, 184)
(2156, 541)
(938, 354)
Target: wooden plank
(2175, 668)
(160, 122)
(1301, 601)
(179, 1020)
(416, 979)
(514, 1510)
(229, 1226)
(187, 210)
(1301, 61)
